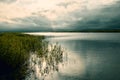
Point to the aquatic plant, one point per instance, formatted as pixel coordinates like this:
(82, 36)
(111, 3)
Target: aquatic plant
(14, 54)
(42, 65)
(24, 56)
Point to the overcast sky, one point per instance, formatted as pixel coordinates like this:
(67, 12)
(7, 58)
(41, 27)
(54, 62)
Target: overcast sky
(59, 15)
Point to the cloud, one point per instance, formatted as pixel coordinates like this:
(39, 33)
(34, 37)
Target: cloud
(33, 23)
(7, 1)
(35, 20)
(40, 15)
(66, 4)
(106, 18)
(75, 11)
(50, 9)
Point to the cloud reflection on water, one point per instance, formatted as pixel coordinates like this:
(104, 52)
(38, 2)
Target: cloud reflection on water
(92, 56)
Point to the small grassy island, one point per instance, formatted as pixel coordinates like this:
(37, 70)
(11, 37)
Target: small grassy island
(15, 49)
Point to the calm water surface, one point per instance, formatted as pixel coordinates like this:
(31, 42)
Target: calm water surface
(90, 56)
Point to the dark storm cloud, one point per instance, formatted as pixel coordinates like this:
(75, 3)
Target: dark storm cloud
(23, 28)
(106, 18)
(35, 20)
(27, 24)
(6, 27)
(7, 1)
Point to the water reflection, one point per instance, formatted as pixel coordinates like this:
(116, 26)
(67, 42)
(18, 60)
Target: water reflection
(90, 56)
(42, 65)
(98, 56)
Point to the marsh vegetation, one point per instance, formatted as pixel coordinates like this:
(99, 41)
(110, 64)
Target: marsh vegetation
(21, 54)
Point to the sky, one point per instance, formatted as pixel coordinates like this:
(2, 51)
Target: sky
(59, 15)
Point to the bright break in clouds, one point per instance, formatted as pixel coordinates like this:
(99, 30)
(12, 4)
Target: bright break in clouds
(58, 15)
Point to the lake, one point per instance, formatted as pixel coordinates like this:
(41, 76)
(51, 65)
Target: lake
(90, 56)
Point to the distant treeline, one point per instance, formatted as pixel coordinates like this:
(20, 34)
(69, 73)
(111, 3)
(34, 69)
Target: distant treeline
(14, 52)
(93, 31)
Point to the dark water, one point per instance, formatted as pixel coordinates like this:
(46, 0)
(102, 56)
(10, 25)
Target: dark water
(90, 57)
